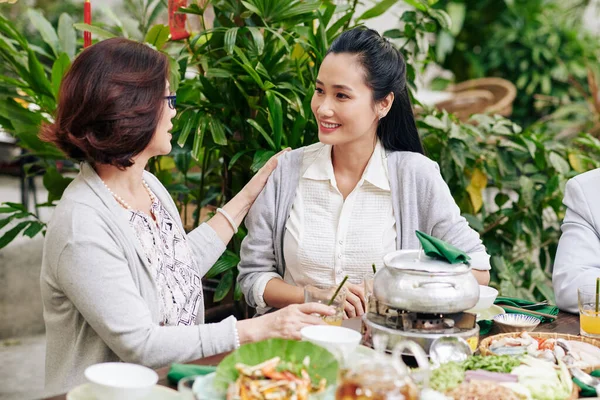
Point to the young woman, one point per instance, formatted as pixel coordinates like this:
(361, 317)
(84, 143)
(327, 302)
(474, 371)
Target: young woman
(336, 207)
(120, 278)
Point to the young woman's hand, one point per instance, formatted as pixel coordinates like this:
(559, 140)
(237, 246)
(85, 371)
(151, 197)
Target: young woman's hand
(285, 323)
(355, 300)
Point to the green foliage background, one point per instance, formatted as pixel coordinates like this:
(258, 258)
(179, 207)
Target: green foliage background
(244, 88)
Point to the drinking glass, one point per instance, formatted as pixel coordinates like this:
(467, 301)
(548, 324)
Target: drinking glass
(368, 287)
(589, 318)
(322, 294)
(185, 385)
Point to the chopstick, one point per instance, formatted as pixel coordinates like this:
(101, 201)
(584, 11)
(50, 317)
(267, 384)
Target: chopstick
(541, 314)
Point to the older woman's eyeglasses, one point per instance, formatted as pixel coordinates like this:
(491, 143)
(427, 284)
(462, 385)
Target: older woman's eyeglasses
(172, 101)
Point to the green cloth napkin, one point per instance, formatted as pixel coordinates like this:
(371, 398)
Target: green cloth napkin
(436, 248)
(180, 371)
(511, 301)
(587, 391)
(486, 325)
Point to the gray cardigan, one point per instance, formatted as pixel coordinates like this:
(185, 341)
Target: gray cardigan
(421, 201)
(100, 300)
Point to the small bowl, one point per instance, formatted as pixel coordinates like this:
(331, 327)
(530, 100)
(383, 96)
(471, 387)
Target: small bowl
(487, 296)
(515, 323)
(339, 341)
(120, 381)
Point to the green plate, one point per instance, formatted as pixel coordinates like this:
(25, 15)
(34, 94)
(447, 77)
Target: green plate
(322, 363)
(490, 313)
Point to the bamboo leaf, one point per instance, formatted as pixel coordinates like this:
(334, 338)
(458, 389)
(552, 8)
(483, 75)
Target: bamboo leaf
(264, 133)
(187, 127)
(12, 233)
(199, 137)
(218, 132)
(237, 292)
(55, 183)
(230, 39)
(158, 36)
(33, 229)
(276, 118)
(66, 35)
(224, 286)
(45, 28)
(377, 10)
(237, 156)
(227, 261)
(103, 33)
(259, 40)
(39, 80)
(60, 66)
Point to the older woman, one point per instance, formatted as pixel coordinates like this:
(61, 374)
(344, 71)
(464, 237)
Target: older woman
(120, 278)
(577, 260)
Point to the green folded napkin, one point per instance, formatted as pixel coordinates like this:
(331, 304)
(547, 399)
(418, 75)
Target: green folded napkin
(511, 301)
(587, 391)
(180, 371)
(486, 325)
(436, 248)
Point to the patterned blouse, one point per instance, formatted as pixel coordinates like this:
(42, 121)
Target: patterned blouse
(175, 274)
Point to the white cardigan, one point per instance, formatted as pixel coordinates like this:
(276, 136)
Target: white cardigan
(577, 260)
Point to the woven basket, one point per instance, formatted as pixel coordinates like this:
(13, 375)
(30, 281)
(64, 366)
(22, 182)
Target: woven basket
(485, 343)
(476, 96)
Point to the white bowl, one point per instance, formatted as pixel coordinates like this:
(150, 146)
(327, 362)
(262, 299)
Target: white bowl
(120, 381)
(339, 341)
(516, 323)
(487, 295)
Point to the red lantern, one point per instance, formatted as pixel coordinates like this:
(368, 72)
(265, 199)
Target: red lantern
(177, 20)
(87, 19)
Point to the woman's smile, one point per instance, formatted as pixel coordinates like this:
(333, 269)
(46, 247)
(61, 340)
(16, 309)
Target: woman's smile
(328, 127)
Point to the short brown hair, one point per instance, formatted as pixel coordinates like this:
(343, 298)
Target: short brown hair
(110, 103)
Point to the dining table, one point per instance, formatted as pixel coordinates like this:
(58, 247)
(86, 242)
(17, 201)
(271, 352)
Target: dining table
(564, 323)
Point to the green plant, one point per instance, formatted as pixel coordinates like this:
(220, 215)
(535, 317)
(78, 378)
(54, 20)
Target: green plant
(536, 44)
(522, 175)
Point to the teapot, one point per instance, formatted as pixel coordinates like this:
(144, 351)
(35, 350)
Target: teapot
(383, 376)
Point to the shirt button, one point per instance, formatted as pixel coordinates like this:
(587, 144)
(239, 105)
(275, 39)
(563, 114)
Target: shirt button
(341, 242)
(340, 256)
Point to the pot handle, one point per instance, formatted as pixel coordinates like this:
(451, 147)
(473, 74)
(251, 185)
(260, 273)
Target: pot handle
(448, 284)
(419, 354)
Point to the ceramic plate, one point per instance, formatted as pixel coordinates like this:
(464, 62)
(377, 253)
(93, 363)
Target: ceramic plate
(490, 313)
(84, 392)
(204, 386)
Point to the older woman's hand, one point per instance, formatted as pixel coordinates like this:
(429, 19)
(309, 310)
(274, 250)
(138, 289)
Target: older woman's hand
(236, 208)
(285, 323)
(259, 180)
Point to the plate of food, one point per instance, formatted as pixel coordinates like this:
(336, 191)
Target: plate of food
(552, 347)
(503, 378)
(272, 369)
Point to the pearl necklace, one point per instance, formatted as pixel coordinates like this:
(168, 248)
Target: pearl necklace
(123, 202)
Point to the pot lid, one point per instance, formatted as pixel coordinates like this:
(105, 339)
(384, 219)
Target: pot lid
(416, 260)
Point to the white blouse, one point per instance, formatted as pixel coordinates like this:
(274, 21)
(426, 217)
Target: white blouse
(175, 274)
(328, 237)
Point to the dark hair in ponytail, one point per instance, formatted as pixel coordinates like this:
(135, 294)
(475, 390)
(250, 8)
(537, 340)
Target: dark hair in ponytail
(385, 72)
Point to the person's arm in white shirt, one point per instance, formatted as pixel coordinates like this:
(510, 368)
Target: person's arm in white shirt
(577, 260)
